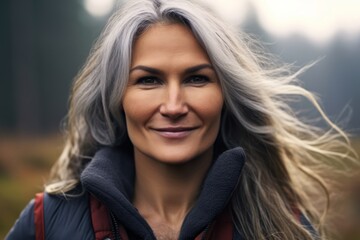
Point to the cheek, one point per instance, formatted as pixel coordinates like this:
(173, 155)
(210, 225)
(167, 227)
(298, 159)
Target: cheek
(136, 106)
(210, 112)
(209, 104)
(139, 107)
(133, 106)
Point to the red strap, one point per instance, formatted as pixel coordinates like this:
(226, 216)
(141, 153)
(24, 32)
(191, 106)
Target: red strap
(39, 216)
(200, 236)
(100, 219)
(297, 213)
(221, 228)
(123, 233)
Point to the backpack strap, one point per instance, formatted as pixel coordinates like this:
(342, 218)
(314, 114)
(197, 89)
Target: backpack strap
(39, 216)
(100, 219)
(221, 228)
(297, 213)
(102, 222)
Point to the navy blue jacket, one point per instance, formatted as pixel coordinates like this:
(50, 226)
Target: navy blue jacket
(110, 178)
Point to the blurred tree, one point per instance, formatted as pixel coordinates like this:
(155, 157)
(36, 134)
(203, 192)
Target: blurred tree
(7, 117)
(44, 45)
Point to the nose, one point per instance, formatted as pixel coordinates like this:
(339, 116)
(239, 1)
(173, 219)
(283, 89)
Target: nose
(174, 104)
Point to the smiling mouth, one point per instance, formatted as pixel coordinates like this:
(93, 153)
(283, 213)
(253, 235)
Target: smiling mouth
(174, 132)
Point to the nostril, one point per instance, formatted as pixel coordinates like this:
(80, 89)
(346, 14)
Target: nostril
(173, 110)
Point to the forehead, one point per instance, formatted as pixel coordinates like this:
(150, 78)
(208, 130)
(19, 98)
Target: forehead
(167, 41)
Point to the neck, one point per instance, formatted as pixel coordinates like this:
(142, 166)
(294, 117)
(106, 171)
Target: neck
(164, 193)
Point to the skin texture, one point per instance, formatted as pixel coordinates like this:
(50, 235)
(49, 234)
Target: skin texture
(172, 98)
(173, 108)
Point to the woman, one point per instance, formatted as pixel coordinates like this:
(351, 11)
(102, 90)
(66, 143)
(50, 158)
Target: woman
(157, 116)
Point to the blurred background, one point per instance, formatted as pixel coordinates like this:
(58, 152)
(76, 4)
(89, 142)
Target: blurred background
(43, 44)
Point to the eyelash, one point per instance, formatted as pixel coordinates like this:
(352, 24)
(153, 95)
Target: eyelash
(143, 80)
(203, 79)
(200, 80)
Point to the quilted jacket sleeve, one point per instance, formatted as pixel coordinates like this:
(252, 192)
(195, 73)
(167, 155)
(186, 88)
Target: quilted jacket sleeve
(64, 218)
(24, 227)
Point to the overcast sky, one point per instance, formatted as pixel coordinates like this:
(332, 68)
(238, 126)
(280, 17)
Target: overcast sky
(317, 20)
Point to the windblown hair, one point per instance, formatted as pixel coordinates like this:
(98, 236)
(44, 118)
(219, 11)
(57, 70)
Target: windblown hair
(286, 156)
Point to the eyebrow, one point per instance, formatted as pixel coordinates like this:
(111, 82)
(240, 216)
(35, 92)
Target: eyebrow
(157, 71)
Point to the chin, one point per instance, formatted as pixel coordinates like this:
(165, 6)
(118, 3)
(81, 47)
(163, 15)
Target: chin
(174, 156)
(175, 160)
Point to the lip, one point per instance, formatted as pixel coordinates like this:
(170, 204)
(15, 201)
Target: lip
(174, 132)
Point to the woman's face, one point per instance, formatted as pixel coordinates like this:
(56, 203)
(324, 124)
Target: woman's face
(173, 100)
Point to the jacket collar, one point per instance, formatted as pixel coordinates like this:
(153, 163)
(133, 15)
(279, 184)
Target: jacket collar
(110, 177)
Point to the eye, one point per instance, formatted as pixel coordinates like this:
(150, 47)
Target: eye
(148, 81)
(197, 80)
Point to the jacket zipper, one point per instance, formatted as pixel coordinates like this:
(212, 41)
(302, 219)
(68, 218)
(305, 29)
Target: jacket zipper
(115, 227)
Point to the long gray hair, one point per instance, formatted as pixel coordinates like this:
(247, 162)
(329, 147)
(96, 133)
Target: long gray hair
(282, 173)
